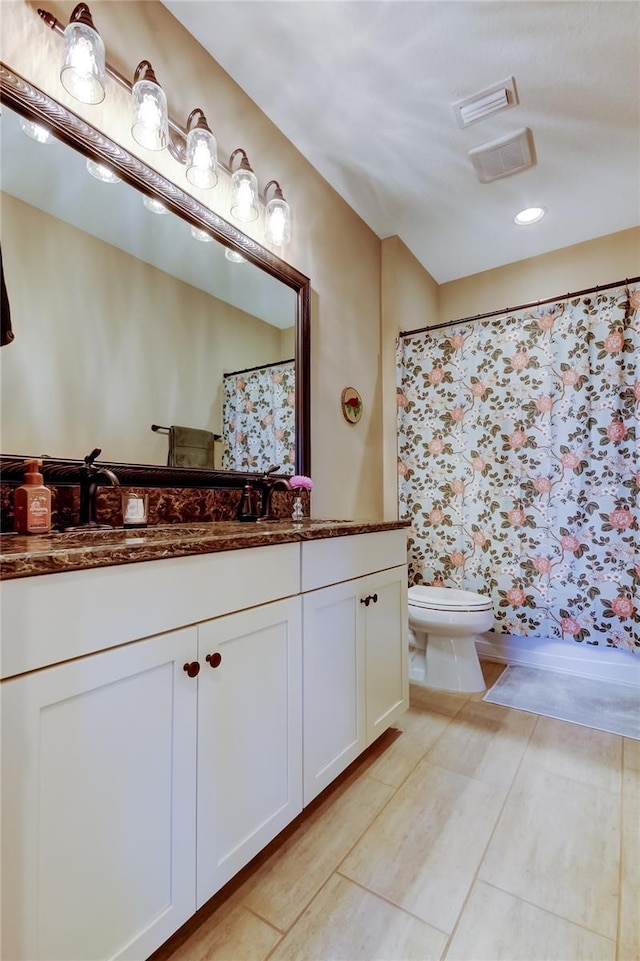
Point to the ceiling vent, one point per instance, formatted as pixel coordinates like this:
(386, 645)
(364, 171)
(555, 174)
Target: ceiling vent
(503, 157)
(498, 97)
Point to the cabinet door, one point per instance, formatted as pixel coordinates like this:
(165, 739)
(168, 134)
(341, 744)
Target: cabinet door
(333, 684)
(387, 677)
(98, 803)
(249, 737)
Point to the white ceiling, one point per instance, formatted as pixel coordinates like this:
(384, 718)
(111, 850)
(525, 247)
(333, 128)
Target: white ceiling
(365, 90)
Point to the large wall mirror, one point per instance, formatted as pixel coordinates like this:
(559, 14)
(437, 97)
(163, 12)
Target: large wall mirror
(126, 319)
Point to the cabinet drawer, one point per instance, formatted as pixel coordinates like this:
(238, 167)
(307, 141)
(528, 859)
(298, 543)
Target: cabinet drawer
(55, 617)
(336, 559)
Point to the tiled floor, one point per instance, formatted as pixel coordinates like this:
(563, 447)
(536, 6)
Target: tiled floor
(470, 832)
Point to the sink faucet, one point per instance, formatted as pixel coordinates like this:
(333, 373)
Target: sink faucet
(90, 477)
(269, 484)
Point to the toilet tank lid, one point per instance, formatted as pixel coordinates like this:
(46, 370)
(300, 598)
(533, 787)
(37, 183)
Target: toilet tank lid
(448, 599)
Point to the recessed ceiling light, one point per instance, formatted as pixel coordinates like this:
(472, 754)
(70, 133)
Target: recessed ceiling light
(529, 216)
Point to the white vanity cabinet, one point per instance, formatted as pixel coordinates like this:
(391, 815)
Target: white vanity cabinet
(133, 788)
(163, 721)
(355, 676)
(249, 737)
(98, 803)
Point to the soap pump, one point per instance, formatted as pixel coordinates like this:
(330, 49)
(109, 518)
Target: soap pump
(32, 502)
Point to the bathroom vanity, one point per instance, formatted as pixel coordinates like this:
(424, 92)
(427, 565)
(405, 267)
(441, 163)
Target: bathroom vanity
(171, 699)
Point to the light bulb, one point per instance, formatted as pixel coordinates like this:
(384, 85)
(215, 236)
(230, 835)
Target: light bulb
(150, 126)
(202, 158)
(36, 131)
(154, 205)
(202, 235)
(83, 68)
(277, 217)
(102, 172)
(234, 256)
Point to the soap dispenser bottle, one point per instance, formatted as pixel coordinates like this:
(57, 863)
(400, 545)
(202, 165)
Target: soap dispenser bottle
(32, 502)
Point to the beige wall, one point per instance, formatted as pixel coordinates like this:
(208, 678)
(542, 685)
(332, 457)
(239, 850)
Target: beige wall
(107, 345)
(331, 244)
(409, 299)
(601, 261)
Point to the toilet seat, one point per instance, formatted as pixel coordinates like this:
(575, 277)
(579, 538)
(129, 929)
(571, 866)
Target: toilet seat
(448, 599)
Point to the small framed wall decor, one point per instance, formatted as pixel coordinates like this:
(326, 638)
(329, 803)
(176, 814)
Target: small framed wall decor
(351, 405)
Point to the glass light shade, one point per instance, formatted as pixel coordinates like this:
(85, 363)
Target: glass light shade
(102, 172)
(150, 127)
(154, 205)
(36, 131)
(234, 256)
(244, 200)
(202, 235)
(529, 216)
(202, 158)
(278, 222)
(82, 73)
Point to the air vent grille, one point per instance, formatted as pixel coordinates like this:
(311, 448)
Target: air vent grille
(498, 97)
(503, 157)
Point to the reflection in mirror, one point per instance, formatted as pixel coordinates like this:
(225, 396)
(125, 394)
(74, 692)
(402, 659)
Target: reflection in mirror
(123, 319)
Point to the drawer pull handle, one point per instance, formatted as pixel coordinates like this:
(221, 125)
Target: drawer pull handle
(192, 668)
(214, 660)
(374, 598)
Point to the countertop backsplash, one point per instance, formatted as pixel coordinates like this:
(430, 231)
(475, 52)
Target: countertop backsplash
(167, 505)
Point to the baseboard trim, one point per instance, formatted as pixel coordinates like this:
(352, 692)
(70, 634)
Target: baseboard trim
(607, 664)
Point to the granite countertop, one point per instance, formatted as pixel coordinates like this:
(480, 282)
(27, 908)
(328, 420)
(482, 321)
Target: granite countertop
(25, 556)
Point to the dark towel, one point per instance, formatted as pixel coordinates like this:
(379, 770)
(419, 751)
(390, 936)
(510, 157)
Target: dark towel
(190, 447)
(6, 334)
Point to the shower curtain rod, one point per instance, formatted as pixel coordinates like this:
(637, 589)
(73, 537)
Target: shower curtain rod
(247, 370)
(508, 310)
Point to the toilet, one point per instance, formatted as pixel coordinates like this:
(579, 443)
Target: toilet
(444, 624)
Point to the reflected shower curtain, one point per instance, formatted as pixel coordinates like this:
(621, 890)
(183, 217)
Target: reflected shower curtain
(519, 464)
(258, 414)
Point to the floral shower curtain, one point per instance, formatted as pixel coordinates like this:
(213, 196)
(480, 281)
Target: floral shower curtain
(258, 418)
(519, 468)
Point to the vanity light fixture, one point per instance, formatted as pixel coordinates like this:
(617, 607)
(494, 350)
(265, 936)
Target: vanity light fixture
(202, 235)
(83, 75)
(150, 127)
(531, 215)
(154, 205)
(244, 183)
(102, 172)
(234, 256)
(83, 68)
(36, 131)
(277, 217)
(202, 151)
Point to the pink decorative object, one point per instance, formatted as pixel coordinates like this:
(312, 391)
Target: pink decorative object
(300, 481)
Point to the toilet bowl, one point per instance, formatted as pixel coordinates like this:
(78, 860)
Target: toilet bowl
(444, 625)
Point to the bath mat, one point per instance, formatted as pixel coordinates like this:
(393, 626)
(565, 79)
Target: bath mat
(603, 705)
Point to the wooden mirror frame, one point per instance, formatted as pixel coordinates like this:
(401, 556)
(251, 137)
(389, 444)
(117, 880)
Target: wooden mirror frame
(30, 102)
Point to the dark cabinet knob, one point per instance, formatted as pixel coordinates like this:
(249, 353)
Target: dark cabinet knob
(367, 600)
(192, 669)
(214, 660)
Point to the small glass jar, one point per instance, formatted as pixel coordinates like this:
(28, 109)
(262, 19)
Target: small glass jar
(297, 514)
(135, 508)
